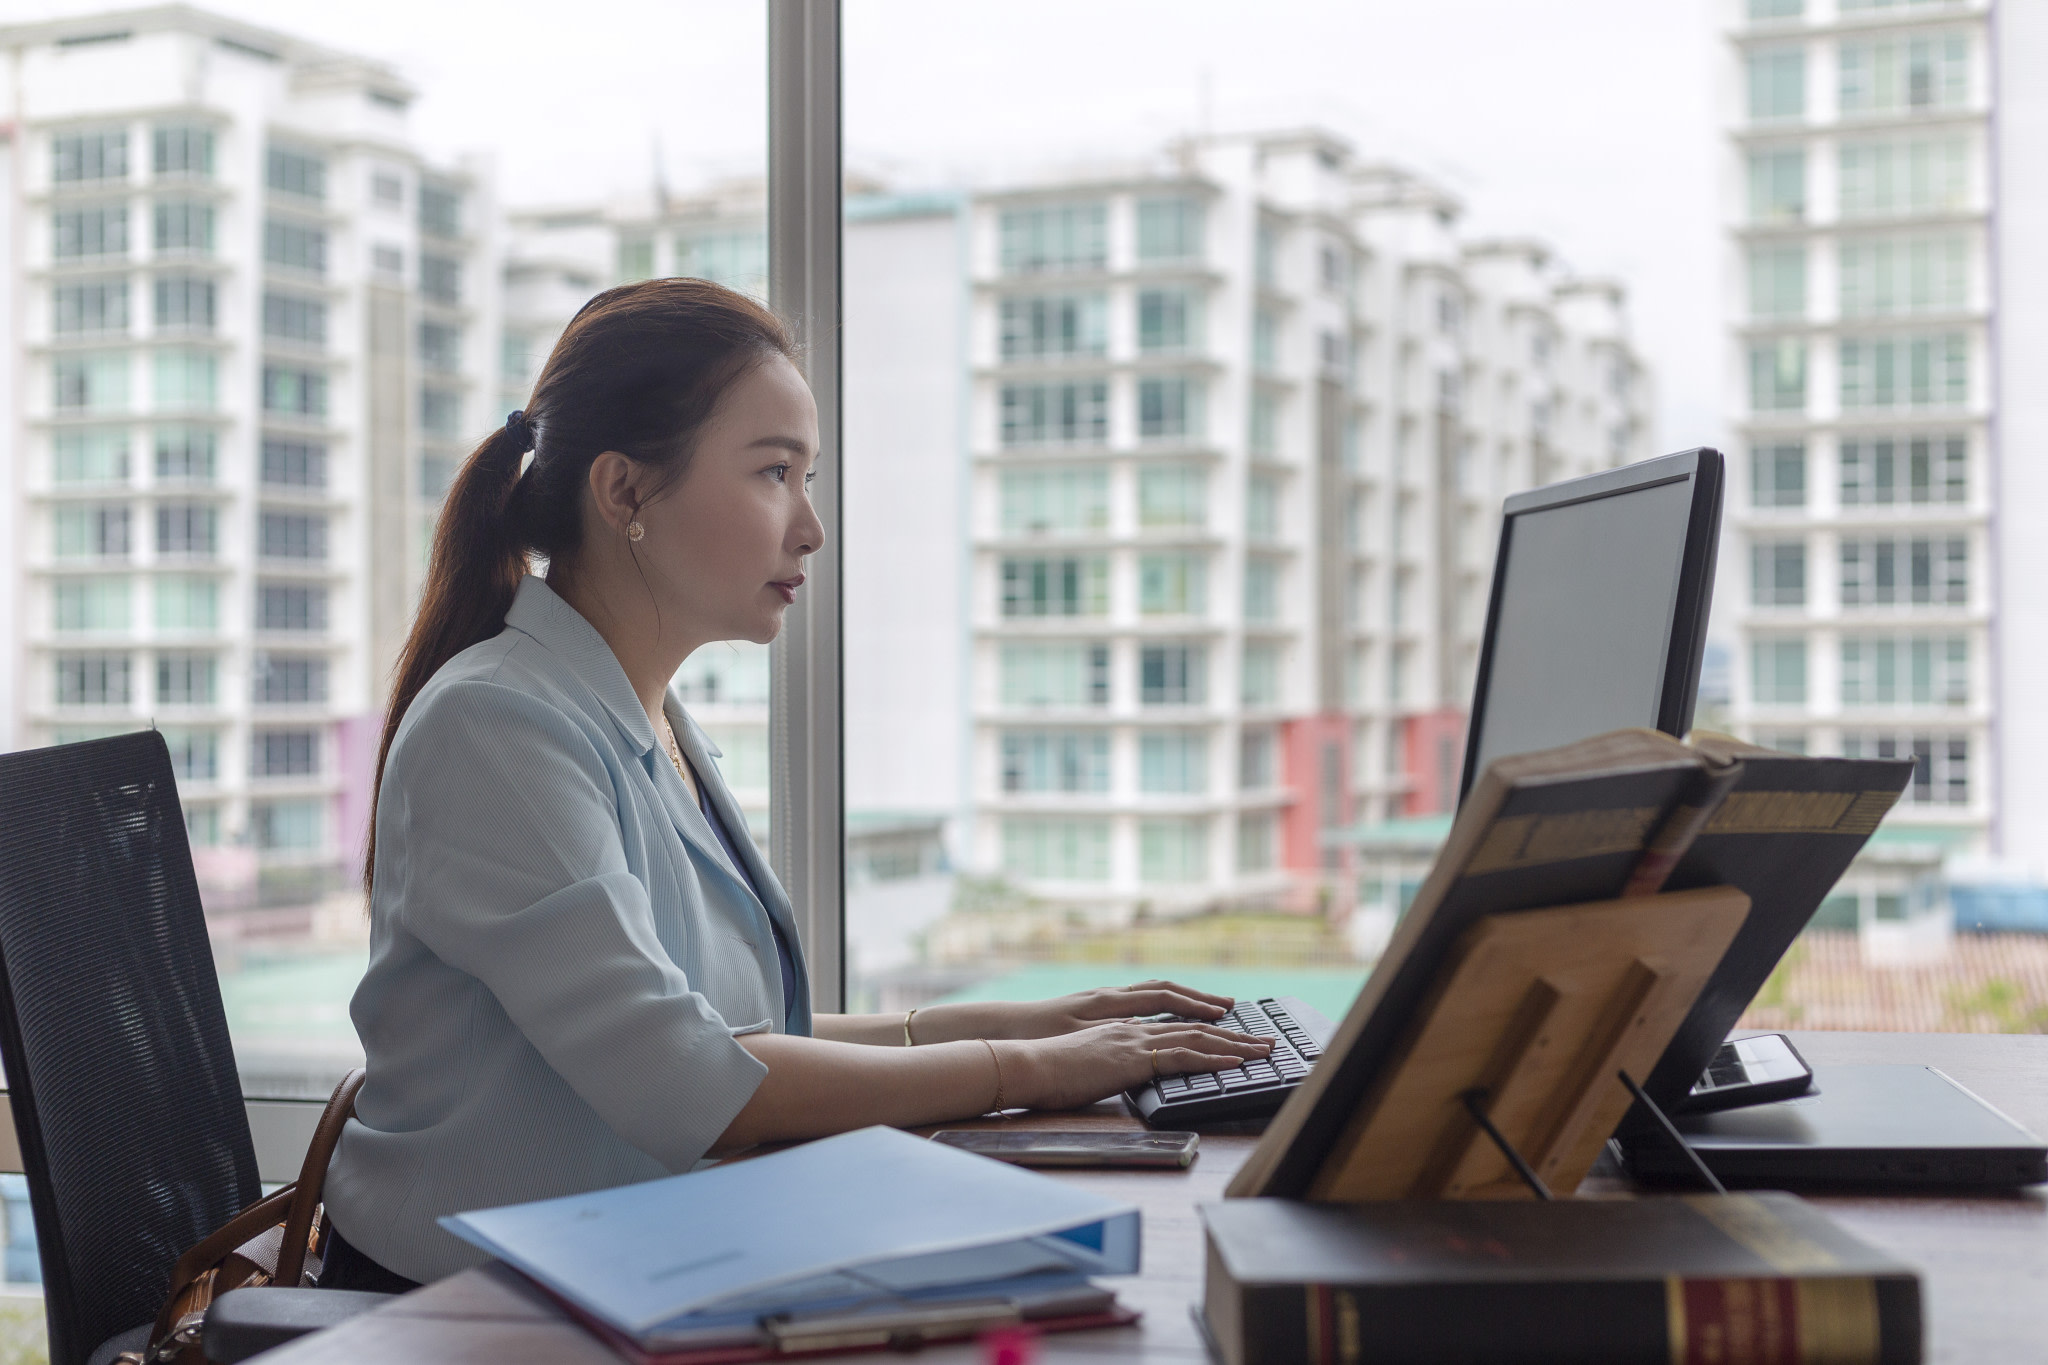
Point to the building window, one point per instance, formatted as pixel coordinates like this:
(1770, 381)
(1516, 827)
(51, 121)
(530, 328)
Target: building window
(87, 232)
(1778, 475)
(1909, 175)
(1776, 9)
(284, 753)
(186, 603)
(294, 391)
(1261, 590)
(1056, 587)
(195, 754)
(1266, 255)
(92, 530)
(92, 679)
(1890, 74)
(288, 679)
(1055, 675)
(1941, 762)
(293, 535)
(1055, 501)
(1259, 681)
(299, 173)
(635, 259)
(1173, 851)
(90, 456)
(738, 260)
(1256, 770)
(1778, 672)
(1169, 321)
(187, 530)
(1777, 186)
(1913, 670)
(184, 454)
(186, 679)
(437, 475)
(1064, 237)
(1889, 372)
(287, 826)
(183, 150)
(1777, 282)
(186, 380)
(184, 303)
(1055, 327)
(1173, 584)
(1071, 413)
(1262, 508)
(1784, 741)
(1169, 231)
(1777, 377)
(1173, 675)
(90, 604)
(1885, 277)
(1172, 495)
(387, 262)
(387, 188)
(295, 246)
(86, 306)
(294, 464)
(441, 412)
(1169, 408)
(76, 157)
(90, 383)
(202, 825)
(1255, 841)
(1265, 341)
(1777, 84)
(1055, 761)
(441, 347)
(1901, 570)
(1882, 470)
(1778, 573)
(294, 318)
(440, 211)
(1264, 427)
(1056, 850)
(291, 606)
(1173, 761)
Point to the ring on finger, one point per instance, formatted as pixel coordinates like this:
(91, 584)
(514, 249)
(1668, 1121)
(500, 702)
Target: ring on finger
(1155, 1061)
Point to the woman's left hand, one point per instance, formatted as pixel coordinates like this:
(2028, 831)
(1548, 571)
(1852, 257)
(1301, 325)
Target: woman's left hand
(1068, 1013)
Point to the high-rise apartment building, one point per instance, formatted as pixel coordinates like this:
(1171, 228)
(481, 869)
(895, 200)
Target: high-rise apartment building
(1240, 427)
(243, 315)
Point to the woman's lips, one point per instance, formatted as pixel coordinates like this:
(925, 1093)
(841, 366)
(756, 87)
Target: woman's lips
(788, 586)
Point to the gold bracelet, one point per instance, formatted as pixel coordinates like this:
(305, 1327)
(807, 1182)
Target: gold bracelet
(908, 1041)
(996, 1107)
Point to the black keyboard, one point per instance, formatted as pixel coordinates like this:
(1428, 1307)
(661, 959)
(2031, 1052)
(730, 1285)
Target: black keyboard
(1251, 1091)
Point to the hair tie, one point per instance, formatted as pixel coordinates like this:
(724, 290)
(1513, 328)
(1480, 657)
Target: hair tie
(520, 430)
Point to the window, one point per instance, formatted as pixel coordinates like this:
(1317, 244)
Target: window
(1882, 470)
(295, 246)
(1173, 761)
(1889, 74)
(1173, 850)
(1255, 840)
(76, 157)
(388, 261)
(1777, 282)
(1056, 850)
(738, 260)
(184, 303)
(1265, 341)
(1889, 372)
(90, 603)
(1077, 586)
(1169, 231)
(1778, 672)
(1784, 741)
(1264, 428)
(183, 227)
(1941, 762)
(1172, 495)
(1889, 276)
(284, 753)
(293, 172)
(295, 318)
(92, 530)
(185, 602)
(1055, 501)
(202, 825)
(1912, 670)
(187, 529)
(1777, 186)
(1261, 590)
(294, 464)
(186, 380)
(441, 412)
(183, 150)
(1776, 9)
(635, 259)
(1255, 767)
(1259, 683)
(186, 679)
(101, 230)
(89, 456)
(293, 391)
(1055, 326)
(288, 826)
(387, 188)
(1055, 761)
(81, 306)
(1055, 675)
(440, 211)
(1053, 238)
(1266, 255)
(195, 754)
(1069, 413)
(291, 606)
(90, 383)
(1777, 84)
(287, 679)
(440, 346)
(1778, 475)
(1169, 321)
(184, 454)
(92, 680)
(293, 535)
(1907, 175)
(1172, 584)
(1172, 675)
(1262, 508)
(1901, 570)
(1777, 377)
(1169, 408)
(1778, 573)
(437, 475)
(1333, 268)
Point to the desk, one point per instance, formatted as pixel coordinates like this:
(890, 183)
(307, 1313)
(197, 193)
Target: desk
(1983, 1261)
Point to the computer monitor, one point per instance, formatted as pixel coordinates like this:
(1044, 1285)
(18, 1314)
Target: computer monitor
(1598, 618)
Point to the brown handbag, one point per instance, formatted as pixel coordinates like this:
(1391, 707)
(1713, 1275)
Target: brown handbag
(277, 1240)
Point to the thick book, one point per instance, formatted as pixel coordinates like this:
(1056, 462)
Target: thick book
(1760, 1279)
(1626, 812)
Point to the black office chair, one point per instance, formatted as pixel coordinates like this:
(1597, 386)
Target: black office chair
(127, 1104)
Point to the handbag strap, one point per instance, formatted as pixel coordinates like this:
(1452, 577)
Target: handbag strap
(201, 1259)
(298, 1224)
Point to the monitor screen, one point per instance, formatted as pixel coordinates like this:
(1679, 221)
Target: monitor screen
(1582, 631)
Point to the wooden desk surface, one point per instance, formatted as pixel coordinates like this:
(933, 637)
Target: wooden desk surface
(1984, 1260)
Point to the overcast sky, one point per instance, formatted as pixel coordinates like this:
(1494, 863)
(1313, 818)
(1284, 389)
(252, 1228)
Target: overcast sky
(1590, 124)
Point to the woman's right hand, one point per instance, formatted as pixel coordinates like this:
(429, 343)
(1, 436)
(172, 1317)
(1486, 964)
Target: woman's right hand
(1090, 1064)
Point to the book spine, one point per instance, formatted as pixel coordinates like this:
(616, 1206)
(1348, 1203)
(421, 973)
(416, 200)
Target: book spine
(1774, 1321)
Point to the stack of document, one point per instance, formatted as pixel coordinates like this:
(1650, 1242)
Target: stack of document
(871, 1238)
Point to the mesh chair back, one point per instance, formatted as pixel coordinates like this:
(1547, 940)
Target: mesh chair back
(126, 1099)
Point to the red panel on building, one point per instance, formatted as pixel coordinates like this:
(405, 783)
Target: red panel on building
(1433, 757)
(1315, 764)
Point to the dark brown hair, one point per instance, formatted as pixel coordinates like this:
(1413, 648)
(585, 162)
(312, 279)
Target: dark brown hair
(639, 370)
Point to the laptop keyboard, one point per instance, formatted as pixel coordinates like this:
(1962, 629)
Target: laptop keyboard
(1253, 1090)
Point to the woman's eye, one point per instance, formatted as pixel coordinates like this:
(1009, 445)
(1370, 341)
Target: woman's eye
(809, 475)
(780, 471)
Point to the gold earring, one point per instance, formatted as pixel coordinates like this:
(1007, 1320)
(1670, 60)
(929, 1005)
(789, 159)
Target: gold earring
(634, 531)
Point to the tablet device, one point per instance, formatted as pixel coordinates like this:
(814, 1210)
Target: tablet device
(1078, 1147)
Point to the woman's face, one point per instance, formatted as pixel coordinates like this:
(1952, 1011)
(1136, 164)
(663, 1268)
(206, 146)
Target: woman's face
(725, 544)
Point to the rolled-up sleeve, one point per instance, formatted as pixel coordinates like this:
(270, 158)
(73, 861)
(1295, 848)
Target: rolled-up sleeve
(517, 875)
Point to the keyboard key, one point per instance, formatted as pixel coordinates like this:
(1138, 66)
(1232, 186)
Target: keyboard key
(1234, 1079)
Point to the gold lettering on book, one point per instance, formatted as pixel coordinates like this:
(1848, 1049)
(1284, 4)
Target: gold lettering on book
(1532, 840)
(1838, 1319)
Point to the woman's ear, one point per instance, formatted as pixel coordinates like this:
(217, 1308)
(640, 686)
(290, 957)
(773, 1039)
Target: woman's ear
(614, 491)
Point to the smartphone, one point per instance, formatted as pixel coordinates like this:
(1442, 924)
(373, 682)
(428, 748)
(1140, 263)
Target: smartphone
(1749, 1071)
(1084, 1147)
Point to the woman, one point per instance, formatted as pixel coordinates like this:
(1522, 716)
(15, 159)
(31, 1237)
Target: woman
(581, 971)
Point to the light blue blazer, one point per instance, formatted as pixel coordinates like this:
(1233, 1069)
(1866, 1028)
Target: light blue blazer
(560, 952)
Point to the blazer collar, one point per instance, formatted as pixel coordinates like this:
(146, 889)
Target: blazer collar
(538, 611)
